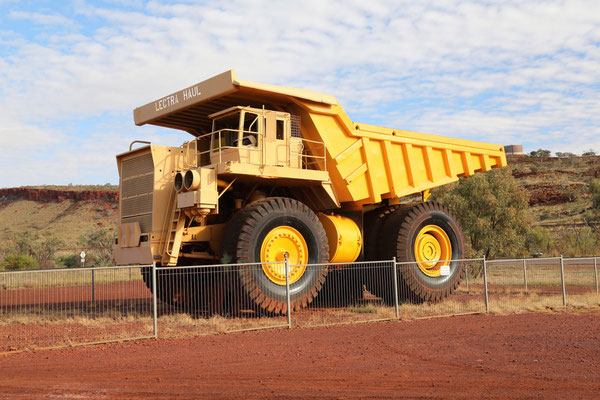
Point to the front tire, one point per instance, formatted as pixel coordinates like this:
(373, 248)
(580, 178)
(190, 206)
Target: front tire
(262, 233)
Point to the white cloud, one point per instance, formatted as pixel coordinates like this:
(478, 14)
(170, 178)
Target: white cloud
(42, 19)
(500, 71)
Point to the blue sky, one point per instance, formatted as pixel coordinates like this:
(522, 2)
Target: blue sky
(507, 72)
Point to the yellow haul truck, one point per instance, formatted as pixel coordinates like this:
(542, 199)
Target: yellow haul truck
(275, 172)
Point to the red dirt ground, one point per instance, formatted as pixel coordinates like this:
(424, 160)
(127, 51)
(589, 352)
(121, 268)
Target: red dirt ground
(516, 356)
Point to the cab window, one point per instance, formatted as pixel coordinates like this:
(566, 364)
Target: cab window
(228, 126)
(280, 129)
(250, 134)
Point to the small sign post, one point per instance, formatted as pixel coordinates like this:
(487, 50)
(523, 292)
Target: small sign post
(82, 255)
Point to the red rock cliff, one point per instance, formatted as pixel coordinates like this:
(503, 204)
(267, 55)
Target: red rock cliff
(59, 195)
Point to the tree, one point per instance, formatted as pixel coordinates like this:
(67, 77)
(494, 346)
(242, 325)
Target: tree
(588, 153)
(540, 153)
(39, 247)
(565, 154)
(99, 243)
(492, 210)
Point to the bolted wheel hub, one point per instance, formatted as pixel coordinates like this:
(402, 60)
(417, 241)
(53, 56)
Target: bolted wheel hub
(281, 242)
(432, 245)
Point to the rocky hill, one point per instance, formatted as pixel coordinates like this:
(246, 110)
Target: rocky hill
(558, 188)
(66, 212)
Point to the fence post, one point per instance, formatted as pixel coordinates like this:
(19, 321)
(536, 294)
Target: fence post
(596, 272)
(562, 279)
(485, 285)
(396, 287)
(467, 275)
(525, 273)
(154, 302)
(93, 289)
(287, 291)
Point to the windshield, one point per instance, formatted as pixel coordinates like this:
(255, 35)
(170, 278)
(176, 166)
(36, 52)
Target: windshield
(231, 121)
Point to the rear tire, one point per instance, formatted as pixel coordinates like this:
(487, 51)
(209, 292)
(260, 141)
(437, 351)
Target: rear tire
(254, 228)
(424, 232)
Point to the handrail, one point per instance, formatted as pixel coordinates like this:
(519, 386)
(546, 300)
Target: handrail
(186, 152)
(137, 141)
(307, 160)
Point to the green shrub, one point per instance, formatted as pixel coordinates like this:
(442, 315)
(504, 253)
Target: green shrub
(539, 240)
(16, 262)
(69, 260)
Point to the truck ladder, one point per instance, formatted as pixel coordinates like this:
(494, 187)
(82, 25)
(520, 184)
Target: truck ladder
(173, 233)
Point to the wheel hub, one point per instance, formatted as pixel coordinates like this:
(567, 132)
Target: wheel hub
(281, 242)
(432, 245)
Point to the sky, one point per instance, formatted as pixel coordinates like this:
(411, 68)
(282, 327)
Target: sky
(505, 72)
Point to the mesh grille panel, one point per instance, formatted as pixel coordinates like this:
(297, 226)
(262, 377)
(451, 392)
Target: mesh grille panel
(137, 166)
(136, 205)
(295, 119)
(137, 186)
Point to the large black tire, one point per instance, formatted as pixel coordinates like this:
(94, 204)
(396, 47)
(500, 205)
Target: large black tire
(188, 290)
(373, 221)
(242, 244)
(400, 231)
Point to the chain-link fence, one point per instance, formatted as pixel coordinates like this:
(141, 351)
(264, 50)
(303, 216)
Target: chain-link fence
(519, 285)
(66, 307)
(54, 308)
(209, 299)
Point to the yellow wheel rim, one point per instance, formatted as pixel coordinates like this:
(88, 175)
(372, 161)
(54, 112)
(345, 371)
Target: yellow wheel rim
(279, 242)
(431, 246)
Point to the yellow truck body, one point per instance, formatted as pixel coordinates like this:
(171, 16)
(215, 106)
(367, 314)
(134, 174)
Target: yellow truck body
(258, 142)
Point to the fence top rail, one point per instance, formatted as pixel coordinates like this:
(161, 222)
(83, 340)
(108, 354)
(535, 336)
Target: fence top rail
(443, 261)
(77, 269)
(201, 266)
(590, 258)
(356, 263)
(499, 260)
(277, 262)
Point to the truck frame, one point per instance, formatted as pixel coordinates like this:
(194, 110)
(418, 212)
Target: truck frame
(277, 173)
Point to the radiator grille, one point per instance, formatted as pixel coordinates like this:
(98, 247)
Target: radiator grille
(137, 186)
(137, 166)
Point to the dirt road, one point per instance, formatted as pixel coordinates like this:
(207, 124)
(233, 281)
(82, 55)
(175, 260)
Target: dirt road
(519, 356)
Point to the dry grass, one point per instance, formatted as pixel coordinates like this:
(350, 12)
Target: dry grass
(184, 325)
(72, 277)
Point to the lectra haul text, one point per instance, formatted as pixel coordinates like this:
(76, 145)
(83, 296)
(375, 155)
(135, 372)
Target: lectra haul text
(169, 101)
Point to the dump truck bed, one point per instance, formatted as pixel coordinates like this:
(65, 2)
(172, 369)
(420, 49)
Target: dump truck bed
(366, 163)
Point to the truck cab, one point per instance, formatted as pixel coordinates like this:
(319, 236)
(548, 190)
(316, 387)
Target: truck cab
(249, 135)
